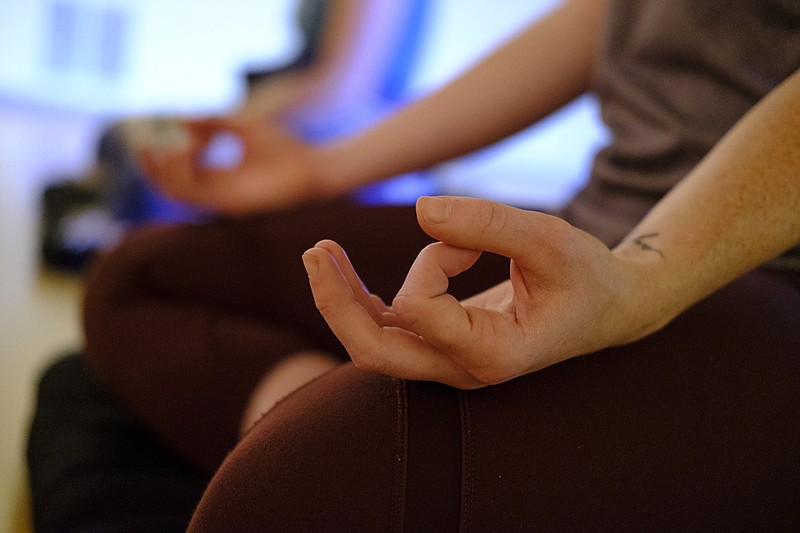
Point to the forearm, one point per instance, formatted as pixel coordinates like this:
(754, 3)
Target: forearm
(534, 74)
(737, 209)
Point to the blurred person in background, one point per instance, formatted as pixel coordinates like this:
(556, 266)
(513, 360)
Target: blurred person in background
(93, 466)
(353, 67)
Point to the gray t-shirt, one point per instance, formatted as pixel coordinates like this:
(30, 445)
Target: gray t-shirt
(673, 76)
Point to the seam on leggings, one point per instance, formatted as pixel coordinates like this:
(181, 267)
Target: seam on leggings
(400, 459)
(467, 486)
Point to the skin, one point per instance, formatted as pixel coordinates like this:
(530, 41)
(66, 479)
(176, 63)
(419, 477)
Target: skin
(567, 294)
(277, 170)
(286, 377)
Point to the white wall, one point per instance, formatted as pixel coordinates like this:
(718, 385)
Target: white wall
(173, 54)
(460, 31)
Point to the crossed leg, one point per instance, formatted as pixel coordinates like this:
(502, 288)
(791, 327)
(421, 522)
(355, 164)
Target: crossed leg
(693, 428)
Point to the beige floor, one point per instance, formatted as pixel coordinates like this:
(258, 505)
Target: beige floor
(38, 309)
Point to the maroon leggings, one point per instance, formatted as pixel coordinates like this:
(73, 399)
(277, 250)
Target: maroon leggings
(692, 428)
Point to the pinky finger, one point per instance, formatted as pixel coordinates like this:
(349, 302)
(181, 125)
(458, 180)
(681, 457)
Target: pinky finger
(334, 297)
(371, 302)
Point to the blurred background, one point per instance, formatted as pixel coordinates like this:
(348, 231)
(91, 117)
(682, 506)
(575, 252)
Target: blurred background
(70, 67)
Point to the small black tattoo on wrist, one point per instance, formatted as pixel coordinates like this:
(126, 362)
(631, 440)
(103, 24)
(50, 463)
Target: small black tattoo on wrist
(639, 241)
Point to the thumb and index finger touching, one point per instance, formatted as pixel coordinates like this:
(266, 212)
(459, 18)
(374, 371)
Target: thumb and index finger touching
(484, 225)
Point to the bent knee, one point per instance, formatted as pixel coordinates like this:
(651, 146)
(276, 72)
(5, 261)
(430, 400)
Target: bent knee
(351, 451)
(116, 279)
(325, 456)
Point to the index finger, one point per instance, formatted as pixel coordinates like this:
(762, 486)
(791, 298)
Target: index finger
(423, 305)
(494, 227)
(468, 335)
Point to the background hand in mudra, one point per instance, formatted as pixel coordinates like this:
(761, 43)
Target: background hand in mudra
(272, 170)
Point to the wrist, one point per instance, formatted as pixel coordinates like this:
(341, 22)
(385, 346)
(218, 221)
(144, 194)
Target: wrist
(335, 169)
(652, 296)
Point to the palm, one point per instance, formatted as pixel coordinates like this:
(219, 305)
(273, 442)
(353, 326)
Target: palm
(273, 171)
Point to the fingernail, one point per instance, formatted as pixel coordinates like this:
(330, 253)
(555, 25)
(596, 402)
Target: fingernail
(434, 210)
(311, 264)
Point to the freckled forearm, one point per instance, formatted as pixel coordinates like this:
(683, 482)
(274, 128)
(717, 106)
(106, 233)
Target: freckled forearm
(737, 209)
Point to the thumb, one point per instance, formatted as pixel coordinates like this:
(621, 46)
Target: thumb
(485, 225)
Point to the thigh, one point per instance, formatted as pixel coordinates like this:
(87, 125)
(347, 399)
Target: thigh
(182, 321)
(252, 265)
(692, 428)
